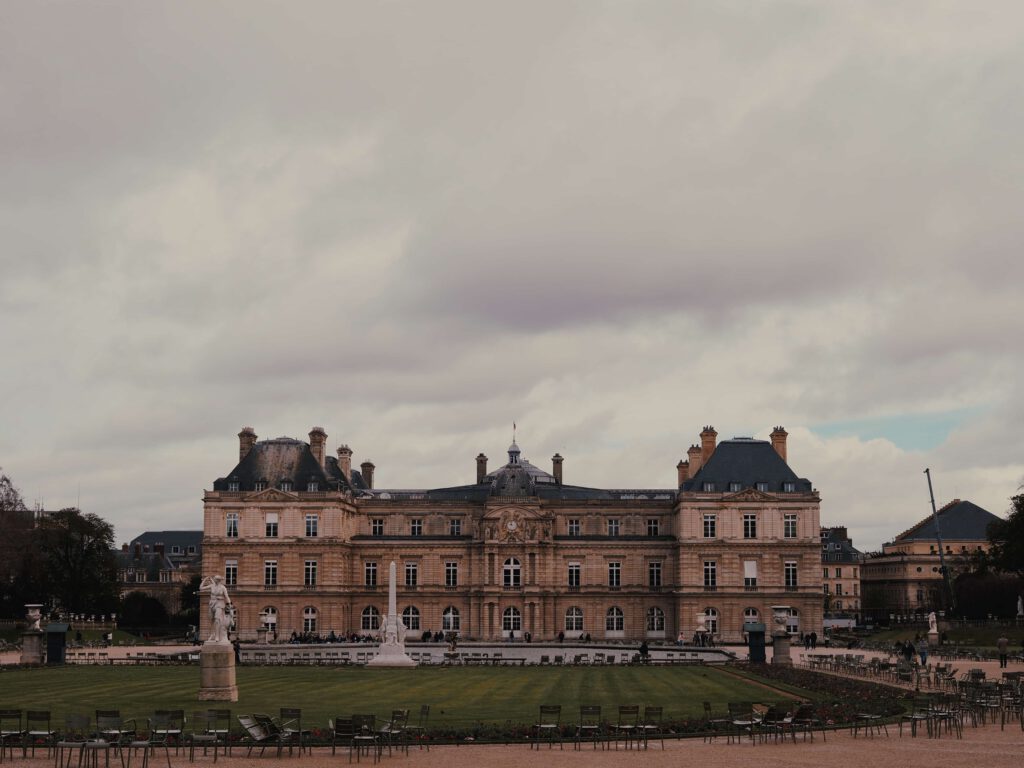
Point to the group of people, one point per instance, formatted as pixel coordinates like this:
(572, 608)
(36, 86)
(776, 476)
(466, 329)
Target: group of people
(810, 640)
(918, 646)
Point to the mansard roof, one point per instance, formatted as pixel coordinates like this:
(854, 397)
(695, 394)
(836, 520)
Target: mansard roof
(287, 459)
(746, 461)
(958, 521)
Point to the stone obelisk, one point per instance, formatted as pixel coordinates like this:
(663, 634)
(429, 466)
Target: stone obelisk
(392, 632)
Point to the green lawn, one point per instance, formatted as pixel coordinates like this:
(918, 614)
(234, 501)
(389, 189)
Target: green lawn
(459, 697)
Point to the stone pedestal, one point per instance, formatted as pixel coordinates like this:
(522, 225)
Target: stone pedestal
(391, 655)
(32, 647)
(780, 650)
(933, 639)
(217, 673)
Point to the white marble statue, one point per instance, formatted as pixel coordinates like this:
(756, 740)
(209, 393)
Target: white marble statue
(933, 625)
(35, 614)
(220, 608)
(391, 652)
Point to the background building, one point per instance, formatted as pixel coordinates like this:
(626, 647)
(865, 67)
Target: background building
(158, 564)
(905, 577)
(840, 573)
(304, 542)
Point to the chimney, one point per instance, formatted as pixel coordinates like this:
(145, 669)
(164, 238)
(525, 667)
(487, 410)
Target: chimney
(367, 468)
(556, 467)
(158, 548)
(707, 444)
(124, 548)
(779, 441)
(481, 467)
(683, 472)
(694, 456)
(138, 551)
(318, 445)
(246, 440)
(345, 461)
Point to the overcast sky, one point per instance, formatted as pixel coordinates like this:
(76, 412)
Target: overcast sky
(415, 223)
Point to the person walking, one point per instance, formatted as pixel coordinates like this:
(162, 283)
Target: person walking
(922, 651)
(1003, 645)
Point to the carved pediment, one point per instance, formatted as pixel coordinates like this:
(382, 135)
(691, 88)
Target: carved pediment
(272, 494)
(749, 494)
(515, 524)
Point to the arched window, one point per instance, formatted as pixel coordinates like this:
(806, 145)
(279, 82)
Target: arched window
(793, 621)
(712, 620)
(268, 617)
(309, 619)
(371, 619)
(411, 617)
(511, 575)
(615, 620)
(655, 619)
(574, 619)
(751, 615)
(450, 619)
(512, 620)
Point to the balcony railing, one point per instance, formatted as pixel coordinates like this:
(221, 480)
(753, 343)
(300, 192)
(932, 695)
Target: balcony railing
(512, 587)
(573, 587)
(654, 587)
(309, 587)
(451, 587)
(710, 588)
(750, 588)
(270, 587)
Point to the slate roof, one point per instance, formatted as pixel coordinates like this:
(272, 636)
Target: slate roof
(837, 546)
(958, 521)
(285, 458)
(181, 539)
(150, 562)
(746, 461)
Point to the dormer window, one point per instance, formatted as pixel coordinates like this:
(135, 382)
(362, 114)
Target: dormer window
(312, 486)
(762, 487)
(788, 487)
(233, 486)
(260, 485)
(734, 487)
(285, 485)
(709, 488)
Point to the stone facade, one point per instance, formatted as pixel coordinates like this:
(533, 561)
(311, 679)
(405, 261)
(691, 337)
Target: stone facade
(304, 542)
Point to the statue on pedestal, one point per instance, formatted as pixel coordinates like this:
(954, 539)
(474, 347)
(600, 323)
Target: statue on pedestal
(221, 609)
(933, 624)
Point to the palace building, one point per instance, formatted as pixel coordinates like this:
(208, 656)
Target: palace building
(304, 541)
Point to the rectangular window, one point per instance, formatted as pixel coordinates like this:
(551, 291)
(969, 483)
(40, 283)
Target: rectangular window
(416, 527)
(574, 527)
(312, 486)
(230, 573)
(370, 574)
(411, 574)
(613, 526)
(839, 589)
(762, 487)
(312, 525)
(824, 573)
(750, 574)
(615, 574)
(233, 486)
(788, 487)
(377, 527)
(750, 526)
(735, 487)
(839, 573)
(271, 525)
(574, 575)
(270, 573)
(261, 485)
(654, 574)
(455, 527)
(231, 523)
(855, 573)
(310, 573)
(286, 485)
(653, 527)
(710, 574)
(789, 569)
(789, 526)
(856, 589)
(710, 526)
(825, 589)
(451, 573)
(709, 488)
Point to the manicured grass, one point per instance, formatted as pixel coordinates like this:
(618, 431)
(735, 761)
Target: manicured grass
(459, 696)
